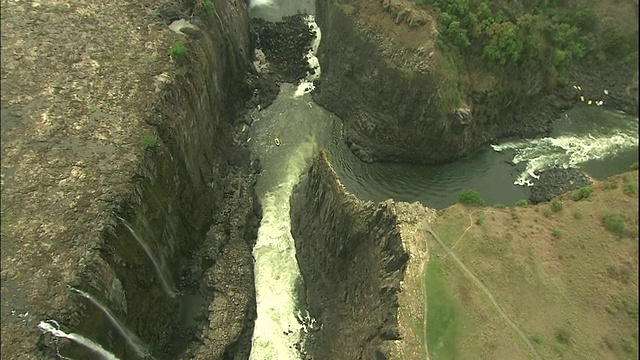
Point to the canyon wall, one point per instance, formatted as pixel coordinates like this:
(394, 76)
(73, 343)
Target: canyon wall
(403, 99)
(136, 146)
(355, 258)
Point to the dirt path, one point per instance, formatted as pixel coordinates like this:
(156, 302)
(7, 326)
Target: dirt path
(423, 286)
(483, 288)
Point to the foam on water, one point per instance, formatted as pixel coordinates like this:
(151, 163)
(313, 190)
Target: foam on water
(306, 85)
(566, 151)
(254, 3)
(47, 327)
(277, 327)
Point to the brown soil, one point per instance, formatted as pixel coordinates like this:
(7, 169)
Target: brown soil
(575, 293)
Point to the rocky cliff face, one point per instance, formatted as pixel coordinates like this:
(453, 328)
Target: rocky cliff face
(390, 85)
(378, 76)
(144, 224)
(354, 257)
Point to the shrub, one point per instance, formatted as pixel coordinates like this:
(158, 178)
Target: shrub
(546, 212)
(614, 223)
(563, 336)
(577, 215)
(556, 233)
(481, 219)
(537, 339)
(178, 50)
(208, 5)
(499, 206)
(522, 202)
(582, 193)
(629, 188)
(148, 141)
(634, 166)
(472, 197)
(556, 205)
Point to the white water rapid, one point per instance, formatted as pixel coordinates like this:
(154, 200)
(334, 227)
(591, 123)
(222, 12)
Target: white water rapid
(295, 121)
(597, 136)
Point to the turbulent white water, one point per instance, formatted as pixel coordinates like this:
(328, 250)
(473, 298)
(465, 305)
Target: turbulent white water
(276, 269)
(278, 327)
(570, 150)
(306, 85)
(46, 327)
(254, 3)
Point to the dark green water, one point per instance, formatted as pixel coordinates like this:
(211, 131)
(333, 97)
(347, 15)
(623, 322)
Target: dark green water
(601, 142)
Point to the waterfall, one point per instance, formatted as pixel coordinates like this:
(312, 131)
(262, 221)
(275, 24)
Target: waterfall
(131, 338)
(46, 327)
(165, 280)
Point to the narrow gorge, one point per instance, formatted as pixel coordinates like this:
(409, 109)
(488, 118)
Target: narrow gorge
(178, 178)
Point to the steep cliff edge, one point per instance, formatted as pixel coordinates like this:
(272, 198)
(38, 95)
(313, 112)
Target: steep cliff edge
(355, 258)
(118, 156)
(402, 98)
(379, 77)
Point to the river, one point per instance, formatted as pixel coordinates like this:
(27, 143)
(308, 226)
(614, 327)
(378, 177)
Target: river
(599, 141)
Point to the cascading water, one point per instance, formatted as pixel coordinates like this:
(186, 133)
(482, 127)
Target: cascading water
(158, 265)
(134, 342)
(281, 321)
(47, 327)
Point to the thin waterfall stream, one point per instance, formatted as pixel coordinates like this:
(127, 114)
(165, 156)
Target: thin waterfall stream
(133, 340)
(48, 327)
(158, 265)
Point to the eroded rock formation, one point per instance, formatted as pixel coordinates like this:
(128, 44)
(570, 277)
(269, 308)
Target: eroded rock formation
(354, 256)
(134, 146)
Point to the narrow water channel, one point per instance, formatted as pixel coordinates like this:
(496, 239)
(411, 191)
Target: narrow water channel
(598, 141)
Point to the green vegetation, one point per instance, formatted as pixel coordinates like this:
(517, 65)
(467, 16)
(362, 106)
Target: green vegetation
(563, 336)
(178, 50)
(517, 43)
(582, 193)
(522, 202)
(614, 223)
(556, 233)
(629, 188)
(481, 219)
(471, 197)
(207, 5)
(556, 205)
(577, 215)
(148, 141)
(627, 305)
(546, 212)
(634, 166)
(499, 206)
(442, 314)
(537, 338)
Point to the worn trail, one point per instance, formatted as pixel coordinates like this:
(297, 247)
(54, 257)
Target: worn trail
(485, 290)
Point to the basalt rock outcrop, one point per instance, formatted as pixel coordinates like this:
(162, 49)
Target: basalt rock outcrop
(386, 79)
(556, 181)
(123, 176)
(354, 257)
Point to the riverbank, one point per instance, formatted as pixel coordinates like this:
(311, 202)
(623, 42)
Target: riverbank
(404, 99)
(565, 272)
